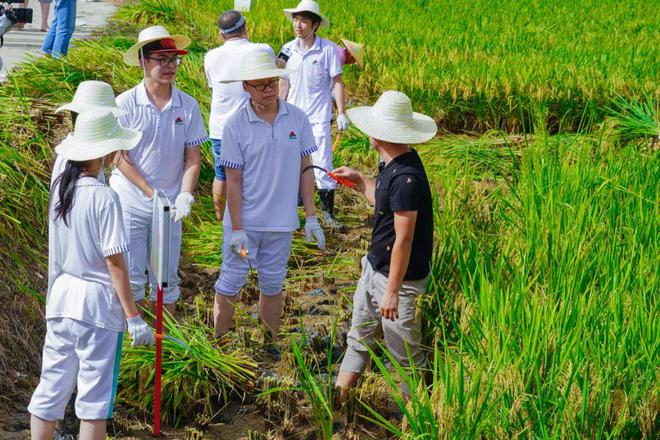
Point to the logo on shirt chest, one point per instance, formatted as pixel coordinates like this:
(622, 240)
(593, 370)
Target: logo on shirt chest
(178, 121)
(292, 136)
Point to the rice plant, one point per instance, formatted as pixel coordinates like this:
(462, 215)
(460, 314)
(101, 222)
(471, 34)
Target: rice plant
(472, 65)
(198, 375)
(634, 120)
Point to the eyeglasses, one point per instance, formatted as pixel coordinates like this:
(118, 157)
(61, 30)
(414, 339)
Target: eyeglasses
(262, 87)
(166, 61)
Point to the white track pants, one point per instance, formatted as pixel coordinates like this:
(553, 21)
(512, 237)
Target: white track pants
(323, 156)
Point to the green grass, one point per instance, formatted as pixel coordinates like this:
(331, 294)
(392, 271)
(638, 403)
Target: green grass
(545, 294)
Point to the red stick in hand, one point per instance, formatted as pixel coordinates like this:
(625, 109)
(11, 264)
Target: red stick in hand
(341, 180)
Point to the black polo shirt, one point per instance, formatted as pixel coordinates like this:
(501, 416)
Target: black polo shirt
(402, 185)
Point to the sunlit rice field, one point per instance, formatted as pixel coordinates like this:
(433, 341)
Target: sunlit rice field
(541, 320)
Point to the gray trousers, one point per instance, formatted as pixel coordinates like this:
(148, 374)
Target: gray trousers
(402, 337)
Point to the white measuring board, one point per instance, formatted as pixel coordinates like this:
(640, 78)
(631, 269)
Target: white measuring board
(160, 238)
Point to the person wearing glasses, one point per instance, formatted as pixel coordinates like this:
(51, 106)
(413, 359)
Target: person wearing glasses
(167, 157)
(266, 146)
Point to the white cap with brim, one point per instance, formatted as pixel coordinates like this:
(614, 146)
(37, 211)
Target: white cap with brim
(391, 119)
(257, 65)
(97, 134)
(149, 35)
(307, 6)
(93, 95)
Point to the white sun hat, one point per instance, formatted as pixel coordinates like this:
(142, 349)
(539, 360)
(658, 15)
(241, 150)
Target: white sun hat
(150, 35)
(97, 133)
(257, 65)
(93, 95)
(307, 6)
(391, 119)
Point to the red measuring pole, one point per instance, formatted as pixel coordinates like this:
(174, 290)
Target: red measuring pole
(159, 360)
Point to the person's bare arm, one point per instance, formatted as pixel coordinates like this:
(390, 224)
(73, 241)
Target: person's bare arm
(284, 88)
(338, 87)
(404, 229)
(129, 171)
(307, 187)
(363, 184)
(191, 168)
(119, 276)
(235, 196)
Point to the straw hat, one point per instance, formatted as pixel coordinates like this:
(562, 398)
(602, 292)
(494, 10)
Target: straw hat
(307, 6)
(150, 35)
(391, 119)
(257, 65)
(97, 134)
(356, 49)
(93, 95)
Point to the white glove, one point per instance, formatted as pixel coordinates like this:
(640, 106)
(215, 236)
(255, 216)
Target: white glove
(343, 122)
(238, 243)
(312, 228)
(182, 204)
(140, 332)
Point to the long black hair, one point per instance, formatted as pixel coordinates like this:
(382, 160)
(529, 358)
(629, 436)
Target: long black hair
(67, 188)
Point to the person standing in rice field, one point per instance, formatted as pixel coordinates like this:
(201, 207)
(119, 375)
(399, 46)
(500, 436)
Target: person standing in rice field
(396, 269)
(266, 146)
(316, 77)
(225, 61)
(167, 158)
(89, 301)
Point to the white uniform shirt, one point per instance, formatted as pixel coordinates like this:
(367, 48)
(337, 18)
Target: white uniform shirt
(160, 154)
(225, 62)
(311, 82)
(79, 284)
(269, 157)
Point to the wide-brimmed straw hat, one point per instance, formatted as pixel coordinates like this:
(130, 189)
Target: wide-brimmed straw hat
(174, 43)
(257, 65)
(97, 133)
(307, 6)
(391, 119)
(93, 95)
(356, 49)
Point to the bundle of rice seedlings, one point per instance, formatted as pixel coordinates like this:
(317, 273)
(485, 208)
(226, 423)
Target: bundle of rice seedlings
(631, 121)
(198, 376)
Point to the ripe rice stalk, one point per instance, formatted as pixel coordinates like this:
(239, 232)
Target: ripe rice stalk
(198, 375)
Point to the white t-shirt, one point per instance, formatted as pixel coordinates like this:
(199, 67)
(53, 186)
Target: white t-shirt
(269, 157)
(160, 154)
(311, 82)
(221, 63)
(79, 284)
